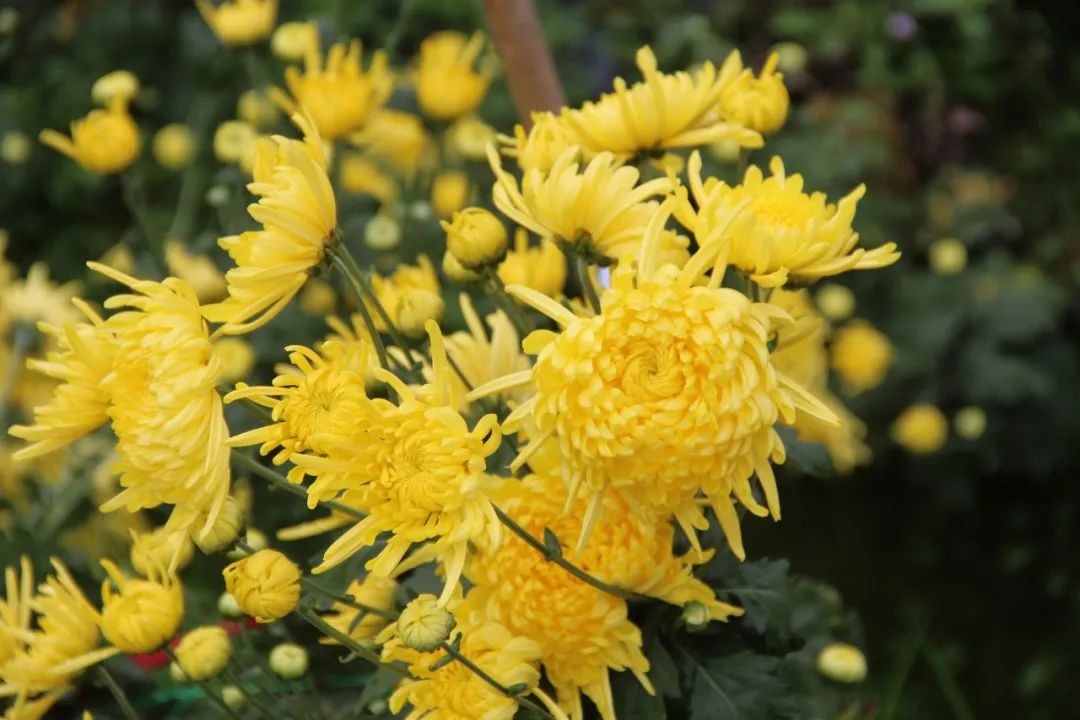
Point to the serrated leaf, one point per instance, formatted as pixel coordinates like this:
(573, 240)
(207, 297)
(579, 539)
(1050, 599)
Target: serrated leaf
(760, 587)
(663, 672)
(632, 702)
(744, 686)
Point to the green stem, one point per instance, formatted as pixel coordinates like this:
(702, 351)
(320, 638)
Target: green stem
(562, 562)
(506, 302)
(904, 664)
(355, 648)
(208, 691)
(393, 38)
(232, 677)
(118, 693)
(340, 261)
(21, 340)
(135, 199)
(949, 687)
(480, 673)
(346, 599)
(587, 287)
(282, 483)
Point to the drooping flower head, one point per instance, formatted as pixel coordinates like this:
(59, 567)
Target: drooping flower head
(394, 289)
(298, 213)
(667, 393)
(419, 471)
(663, 111)
(782, 233)
(339, 95)
(599, 210)
(105, 141)
(447, 86)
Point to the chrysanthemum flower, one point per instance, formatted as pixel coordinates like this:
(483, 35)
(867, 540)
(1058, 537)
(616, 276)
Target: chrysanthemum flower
(539, 147)
(541, 268)
(46, 638)
(861, 356)
(349, 347)
(266, 585)
(759, 103)
(299, 214)
(105, 141)
(667, 393)
(395, 136)
(447, 87)
(140, 615)
(663, 111)
(598, 210)
(782, 233)
(372, 591)
(454, 692)
(339, 96)
(418, 469)
(198, 271)
(239, 22)
(320, 399)
(392, 289)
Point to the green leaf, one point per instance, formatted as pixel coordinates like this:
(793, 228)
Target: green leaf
(807, 458)
(743, 686)
(760, 588)
(663, 672)
(632, 702)
(551, 542)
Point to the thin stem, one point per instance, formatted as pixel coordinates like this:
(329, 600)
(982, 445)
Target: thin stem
(393, 38)
(949, 688)
(904, 663)
(208, 691)
(339, 261)
(587, 288)
(506, 302)
(346, 599)
(480, 673)
(228, 673)
(562, 562)
(135, 200)
(282, 483)
(355, 648)
(118, 693)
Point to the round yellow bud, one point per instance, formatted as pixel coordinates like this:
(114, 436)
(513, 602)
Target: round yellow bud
(970, 422)
(382, 232)
(543, 269)
(921, 428)
(726, 151)
(140, 615)
(204, 652)
(234, 141)
(759, 103)
(217, 195)
(177, 674)
(475, 237)
(105, 141)
(256, 107)
(948, 256)
(222, 533)
(318, 297)
(266, 585)
(423, 625)
(237, 358)
(469, 137)
(160, 549)
(449, 192)
(861, 355)
(233, 697)
(695, 616)
(793, 57)
(15, 148)
(256, 539)
(414, 308)
(289, 660)
(291, 40)
(119, 84)
(420, 211)
(228, 606)
(174, 146)
(239, 22)
(842, 662)
(456, 271)
(836, 302)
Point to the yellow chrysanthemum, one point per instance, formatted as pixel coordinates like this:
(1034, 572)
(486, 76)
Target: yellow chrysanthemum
(759, 103)
(361, 175)
(298, 213)
(397, 137)
(449, 192)
(667, 393)
(469, 137)
(418, 469)
(204, 652)
(538, 148)
(140, 615)
(239, 22)
(349, 347)
(598, 210)
(454, 692)
(922, 428)
(117, 85)
(321, 399)
(663, 111)
(541, 268)
(359, 624)
(392, 289)
(447, 87)
(339, 96)
(15, 147)
(292, 40)
(266, 585)
(234, 142)
(105, 141)
(256, 108)
(861, 356)
(198, 271)
(782, 233)
(174, 146)
(46, 638)
(159, 548)
(36, 298)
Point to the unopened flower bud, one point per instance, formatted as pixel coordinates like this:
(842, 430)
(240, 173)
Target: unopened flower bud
(289, 660)
(695, 616)
(177, 674)
(222, 533)
(415, 307)
(382, 232)
(842, 662)
(457, 272)
(948, 256)
(836, 302)
(266, 585)
(158, 550)
(204, 652)
(140, 615)
(449, 192)
(174, 146)
(423, 625)
(475, 237)
(228, 607)
(970, 422)
(117, 84)
(233, 697)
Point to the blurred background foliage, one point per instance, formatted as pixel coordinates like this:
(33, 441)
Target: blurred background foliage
(959, 116)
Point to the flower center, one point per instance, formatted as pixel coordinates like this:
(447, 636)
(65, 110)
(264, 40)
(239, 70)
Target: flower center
(651, 373)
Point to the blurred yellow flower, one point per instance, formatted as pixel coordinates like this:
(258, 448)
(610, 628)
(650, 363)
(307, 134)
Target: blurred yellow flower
(842, 662)
(298, 213)
(362, 176)
(289, 660)
(234, 142)
(663, 111)
(970, 422)
(119, 85)
(140, 616)
(861, 356)
(204, 652)
(948, 256)
(237, 357)
(541, 268)
(836, 302)
(447, 86)
(397, 137)
(469, 137)
(266, 585)
(256, 107)
(475, 237)
(35, 298)
(391, 289)
(198, 271)
(15, 147)
(338, 96)
(105, 141)
(359, 624)
(538, 149)
(119, 257)
(758, 103)
(456, 272)
(160, 548)
(415, 308)
(317, 297)
(781, 232)
(226, 529)
(449, 192)
(921, 428)
(239, 22)
(382, 232)
(349, 347)
(293, 40)
(174, 146)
